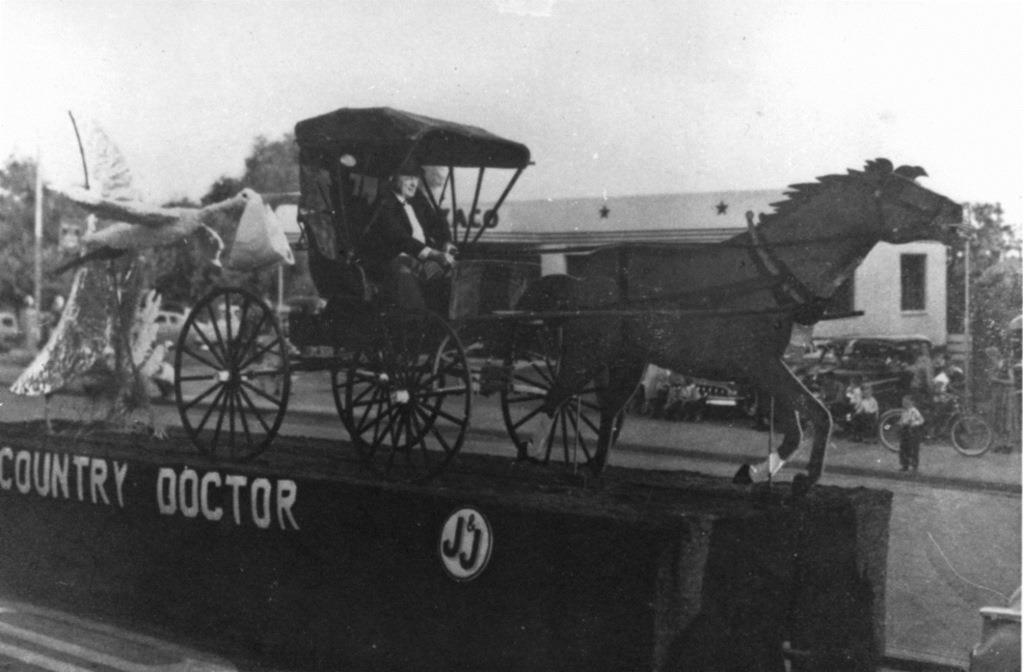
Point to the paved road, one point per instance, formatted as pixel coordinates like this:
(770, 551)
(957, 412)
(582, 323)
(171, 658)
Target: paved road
(955, 533)
(36, 639)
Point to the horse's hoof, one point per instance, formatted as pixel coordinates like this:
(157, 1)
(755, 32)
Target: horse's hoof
(742, 476)
(801, 485)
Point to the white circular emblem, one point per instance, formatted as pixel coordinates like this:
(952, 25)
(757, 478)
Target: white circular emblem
(466, 543)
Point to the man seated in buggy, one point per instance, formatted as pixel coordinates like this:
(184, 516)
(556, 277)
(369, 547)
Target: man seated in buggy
(407, 247)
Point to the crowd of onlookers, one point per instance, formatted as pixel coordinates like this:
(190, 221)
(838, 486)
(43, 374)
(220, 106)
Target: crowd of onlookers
(929, 385)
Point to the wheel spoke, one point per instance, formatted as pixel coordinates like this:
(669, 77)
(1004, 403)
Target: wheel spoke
(359, 397)
(565, 434)
(522, 397)
(379, 431)
(442, 392)
(187, 351)
(258, 391)
(421, 432)
(579, 437)
(209, 345)
(449, 417)
(193, 379)
(546, 375)
(379, 396)
(258, 353)
(255, 409)
(241, 416)
(429, 422)
(527, 417)
(208, 392)
(209, 410)
(589, 422)
(231, 422)
(220, 417)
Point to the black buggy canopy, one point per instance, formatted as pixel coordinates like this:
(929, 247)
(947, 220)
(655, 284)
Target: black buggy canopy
(379, 139)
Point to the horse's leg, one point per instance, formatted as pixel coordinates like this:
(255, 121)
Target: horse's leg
(795, 402)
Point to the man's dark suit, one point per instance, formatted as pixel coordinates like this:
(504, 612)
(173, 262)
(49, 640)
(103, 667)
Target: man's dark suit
(390, 234)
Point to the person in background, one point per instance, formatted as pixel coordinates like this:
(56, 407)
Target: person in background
(1005, 413)
(864, 421)
(833, 395)
(911, 426)
(854, 394)
(655, 387)
(922, 372)
(941, 381)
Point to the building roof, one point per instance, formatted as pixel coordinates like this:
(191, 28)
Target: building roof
(703, 217)
(685, 217)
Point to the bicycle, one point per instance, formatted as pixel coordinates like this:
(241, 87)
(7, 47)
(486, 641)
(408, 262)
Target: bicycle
(970, 433)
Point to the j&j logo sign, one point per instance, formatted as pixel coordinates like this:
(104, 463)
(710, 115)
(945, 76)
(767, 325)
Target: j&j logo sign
(466, 543)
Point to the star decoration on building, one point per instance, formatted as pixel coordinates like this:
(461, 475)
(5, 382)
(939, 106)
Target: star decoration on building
(604, 211)
(722, 207)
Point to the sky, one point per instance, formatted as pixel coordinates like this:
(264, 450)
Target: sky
(613, 98)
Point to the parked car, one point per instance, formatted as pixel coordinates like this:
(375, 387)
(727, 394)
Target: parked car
(879, 361)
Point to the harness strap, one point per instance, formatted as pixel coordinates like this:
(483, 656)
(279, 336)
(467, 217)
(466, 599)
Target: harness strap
(769, 263)
(789, 289)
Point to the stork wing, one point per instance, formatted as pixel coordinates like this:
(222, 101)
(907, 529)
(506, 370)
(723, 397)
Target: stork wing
(131, 212)
(107, 167)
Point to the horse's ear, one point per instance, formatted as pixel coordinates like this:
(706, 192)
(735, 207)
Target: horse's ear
(911, 172)
(880, 166)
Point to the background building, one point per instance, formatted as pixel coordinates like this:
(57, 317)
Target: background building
(899, 289)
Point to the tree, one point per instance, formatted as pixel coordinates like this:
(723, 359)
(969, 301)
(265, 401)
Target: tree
(995, 281)
(17, 233)
(273, 166)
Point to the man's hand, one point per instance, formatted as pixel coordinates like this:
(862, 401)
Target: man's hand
(439, 257)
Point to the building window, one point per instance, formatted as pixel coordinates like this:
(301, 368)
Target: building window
(912, 281)
(842, 300)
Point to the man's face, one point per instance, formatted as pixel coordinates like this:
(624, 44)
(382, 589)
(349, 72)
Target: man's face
(406, 185)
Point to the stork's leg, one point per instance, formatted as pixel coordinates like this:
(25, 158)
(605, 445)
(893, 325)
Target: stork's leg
(796, 404)
(46, 413)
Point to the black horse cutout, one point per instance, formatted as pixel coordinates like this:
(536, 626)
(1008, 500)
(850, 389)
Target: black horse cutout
(726, 311)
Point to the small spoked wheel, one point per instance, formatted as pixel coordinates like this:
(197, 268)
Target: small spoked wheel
(581, 431)
(971, 435)
(889, 429)
(232, 377)
(407, 397)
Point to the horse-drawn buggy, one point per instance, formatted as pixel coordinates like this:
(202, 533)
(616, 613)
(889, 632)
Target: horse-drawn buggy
(564, 353)
(402, 378)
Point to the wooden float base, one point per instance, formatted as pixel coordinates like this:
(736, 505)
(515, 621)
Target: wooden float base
(301, 560)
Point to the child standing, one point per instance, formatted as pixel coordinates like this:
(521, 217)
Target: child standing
(911, 427)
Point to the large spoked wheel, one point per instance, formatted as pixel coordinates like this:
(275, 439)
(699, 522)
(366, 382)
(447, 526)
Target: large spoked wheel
(971, 435)
(889, 429)
(581, 432)
(407, 397)
(232, 377)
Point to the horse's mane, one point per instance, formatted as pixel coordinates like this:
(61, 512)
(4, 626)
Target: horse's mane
(798, 195)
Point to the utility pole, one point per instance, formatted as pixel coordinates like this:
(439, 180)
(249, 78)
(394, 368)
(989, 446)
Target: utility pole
(967, 305)
(34, 325)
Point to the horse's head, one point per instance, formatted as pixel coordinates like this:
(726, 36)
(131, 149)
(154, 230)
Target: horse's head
(909, 211)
